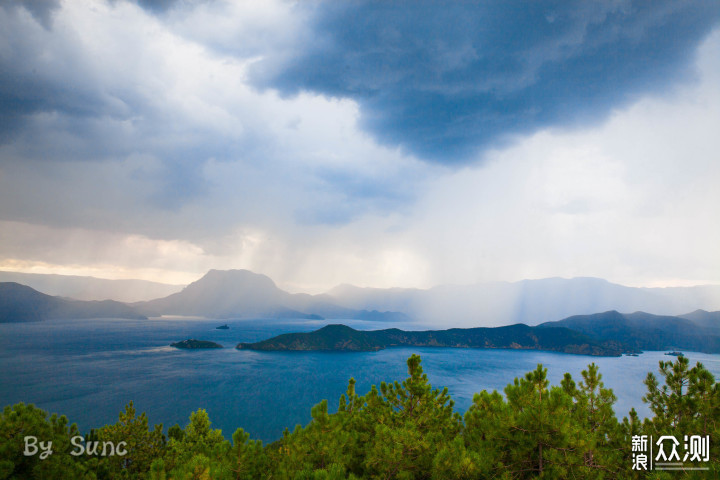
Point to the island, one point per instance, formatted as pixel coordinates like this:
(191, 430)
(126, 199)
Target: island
(193, 344)
(519, 336)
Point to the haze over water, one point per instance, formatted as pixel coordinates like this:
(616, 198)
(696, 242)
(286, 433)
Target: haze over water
(89, 370)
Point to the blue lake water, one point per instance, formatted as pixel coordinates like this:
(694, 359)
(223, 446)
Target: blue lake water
(89, 369)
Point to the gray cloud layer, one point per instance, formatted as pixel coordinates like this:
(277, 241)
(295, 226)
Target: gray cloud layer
(333, 142)
(446, 80)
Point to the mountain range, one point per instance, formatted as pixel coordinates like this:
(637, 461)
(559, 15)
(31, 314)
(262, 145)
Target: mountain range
(531, 302)
(697, 331)
(20, 303)
(218, 294)
(609, 334)
(91, 288)
(227, 293)
(243, 294)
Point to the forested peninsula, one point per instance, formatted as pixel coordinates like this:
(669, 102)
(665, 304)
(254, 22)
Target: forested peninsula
(403, 430)
(520, 336)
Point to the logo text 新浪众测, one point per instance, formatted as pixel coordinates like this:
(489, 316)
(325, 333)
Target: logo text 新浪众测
(668, 453)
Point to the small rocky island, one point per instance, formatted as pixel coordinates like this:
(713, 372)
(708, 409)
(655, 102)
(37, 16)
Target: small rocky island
(193, 344)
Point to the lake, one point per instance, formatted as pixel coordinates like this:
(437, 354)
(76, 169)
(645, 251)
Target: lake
(89, 369)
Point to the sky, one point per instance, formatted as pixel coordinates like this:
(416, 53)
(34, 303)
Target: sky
(372, 143)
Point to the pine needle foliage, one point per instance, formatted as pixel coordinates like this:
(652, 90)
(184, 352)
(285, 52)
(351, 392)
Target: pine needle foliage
(402, 430)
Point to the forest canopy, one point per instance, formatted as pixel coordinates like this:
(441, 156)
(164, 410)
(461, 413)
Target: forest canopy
(404, 430)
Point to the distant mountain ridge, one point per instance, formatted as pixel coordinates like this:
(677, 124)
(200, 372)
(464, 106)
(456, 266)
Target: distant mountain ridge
(645, 331)
(607, 333)
(528, 301)
(242, 293)
(704, 319)
(91, 288)
(20, 303)
(521, 337)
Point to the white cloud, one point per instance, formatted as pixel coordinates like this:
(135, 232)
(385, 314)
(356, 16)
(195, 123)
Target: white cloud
(633, 200)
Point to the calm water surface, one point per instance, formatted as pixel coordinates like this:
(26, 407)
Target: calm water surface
(89, 370)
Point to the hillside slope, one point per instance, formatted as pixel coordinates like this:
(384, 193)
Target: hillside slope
(344, 338)
(20, 303)
(643, 331)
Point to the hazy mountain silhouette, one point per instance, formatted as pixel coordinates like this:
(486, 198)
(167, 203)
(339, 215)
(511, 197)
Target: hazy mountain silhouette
(529, 301)
(219, 293)
(242, 293)
(702, 318)
(91, 288)
(20, 303)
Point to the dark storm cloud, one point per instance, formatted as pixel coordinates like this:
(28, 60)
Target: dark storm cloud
(60, 103)
(159, 6)
(33, 80)
(64, 101)
(23, 94)
(446, 80)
